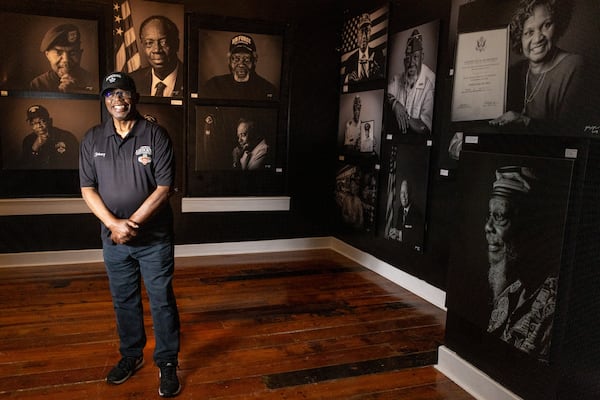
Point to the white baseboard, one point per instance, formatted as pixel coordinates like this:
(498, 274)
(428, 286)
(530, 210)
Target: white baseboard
(418, 286)
(471, 379)
(231, 204)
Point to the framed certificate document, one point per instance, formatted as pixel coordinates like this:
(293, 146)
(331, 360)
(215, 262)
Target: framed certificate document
(480, 75)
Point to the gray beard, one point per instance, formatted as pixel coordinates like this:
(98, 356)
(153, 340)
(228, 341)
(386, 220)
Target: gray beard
(497, 278)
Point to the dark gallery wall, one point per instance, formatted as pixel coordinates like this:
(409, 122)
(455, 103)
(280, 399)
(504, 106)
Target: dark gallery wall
(312, 115)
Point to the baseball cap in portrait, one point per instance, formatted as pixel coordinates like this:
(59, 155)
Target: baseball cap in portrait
(118, 80)
(37, 111)
(61, 35)
(365, 19)
(242, 42)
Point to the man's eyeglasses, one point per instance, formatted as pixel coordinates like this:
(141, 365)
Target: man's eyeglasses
(245, 59)
(40, 122)
(113, 94)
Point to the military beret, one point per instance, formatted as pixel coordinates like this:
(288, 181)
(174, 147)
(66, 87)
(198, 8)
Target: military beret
(61, 35)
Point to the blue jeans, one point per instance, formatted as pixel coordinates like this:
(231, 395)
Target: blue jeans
(125, 266)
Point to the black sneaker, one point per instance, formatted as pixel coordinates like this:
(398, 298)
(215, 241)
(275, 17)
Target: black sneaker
(124, 369)
(169, 382)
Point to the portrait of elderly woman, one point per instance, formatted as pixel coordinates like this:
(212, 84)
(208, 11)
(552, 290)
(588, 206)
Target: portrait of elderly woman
(544, 88)
(504, 276)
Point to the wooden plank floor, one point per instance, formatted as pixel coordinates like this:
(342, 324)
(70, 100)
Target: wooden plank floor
(292, 325)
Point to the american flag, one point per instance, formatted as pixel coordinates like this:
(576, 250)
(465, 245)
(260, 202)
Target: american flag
(391, 194)
(127, 56)
(379, 32)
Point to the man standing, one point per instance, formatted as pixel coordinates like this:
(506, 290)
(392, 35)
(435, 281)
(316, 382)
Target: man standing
(411, 93)
(352, 131)
(164, 76)
(523, 295)
(127, 171)
(47, 147)
(62, 47)
(242, 82)
(410, 223)
(365, 63)
(252, 149)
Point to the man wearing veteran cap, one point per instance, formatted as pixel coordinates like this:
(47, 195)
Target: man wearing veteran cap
(523, 296)
(366, 63)
(411, 93)
(242, 82)
(126, 173)
(62, 47)
(47, 147)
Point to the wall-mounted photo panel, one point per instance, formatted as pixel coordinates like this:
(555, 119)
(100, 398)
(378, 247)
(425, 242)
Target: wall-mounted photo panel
(403, 197)
(41, 133)
(236, 65)
(356, 195)
(364, 48)
(235, 138)
(411, 80)
(504, 271)
(39, 144)
(360, 123)
(45, 53)
(148, 44)
(552, 86)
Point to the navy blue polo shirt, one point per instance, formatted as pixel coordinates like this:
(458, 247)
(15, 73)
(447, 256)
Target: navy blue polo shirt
(126, 171)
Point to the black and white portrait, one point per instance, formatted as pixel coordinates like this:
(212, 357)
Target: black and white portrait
(40, 133)
(404, 195)
(148, 44)
(364, 48)
(235, 138)
(356, 196)
(504, 274)
(239, 65)
(411, 80)
(49, 54)
(552, 83)
(360, 123)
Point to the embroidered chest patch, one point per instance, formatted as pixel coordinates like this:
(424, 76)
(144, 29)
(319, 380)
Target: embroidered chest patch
(144, 155)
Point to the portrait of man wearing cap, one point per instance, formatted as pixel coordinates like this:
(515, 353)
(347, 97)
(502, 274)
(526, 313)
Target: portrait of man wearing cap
(47, 147)
(523, 302)
(163, 77)
(62, 47)
(242, 81)
(411, 88)
(366, 62)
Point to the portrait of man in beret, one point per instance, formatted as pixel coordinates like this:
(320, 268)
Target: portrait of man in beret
(62, 47)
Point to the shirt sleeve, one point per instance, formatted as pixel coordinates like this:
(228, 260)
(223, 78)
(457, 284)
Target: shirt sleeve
(87, 169)
(163, 158)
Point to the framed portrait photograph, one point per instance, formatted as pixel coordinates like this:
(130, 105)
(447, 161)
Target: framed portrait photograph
(238, 65)
(39, 144)
(41, 133)
(551, 86)
(403, 196)
(411, 80)
(238, 149)
(360, 123)
(506, 261)
(49, 53)
(364, 48)
(356, 195)
(148, 39)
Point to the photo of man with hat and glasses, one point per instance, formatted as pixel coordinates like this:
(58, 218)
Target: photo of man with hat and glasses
(47, 147)
(366, 63)
(62, 47)
(411, 90)
(242, 81)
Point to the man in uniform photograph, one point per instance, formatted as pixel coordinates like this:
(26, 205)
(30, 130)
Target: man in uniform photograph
(62, 47)
(366, 63)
